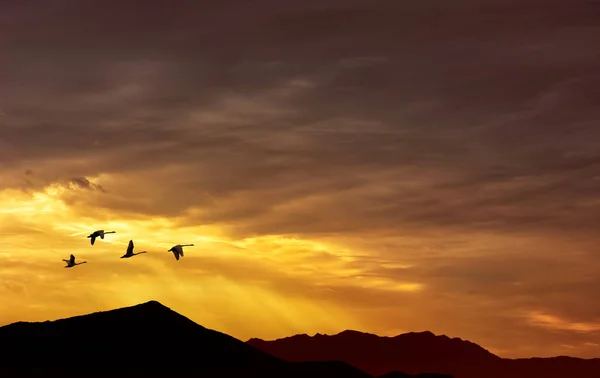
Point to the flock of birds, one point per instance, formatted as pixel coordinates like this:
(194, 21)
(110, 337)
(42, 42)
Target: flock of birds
(177, 250)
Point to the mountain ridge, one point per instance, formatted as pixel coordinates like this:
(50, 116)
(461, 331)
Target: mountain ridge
(138, 337)
(306, 336)
(156, 305)
(368, 334)
(151, 339)
(416, 352)
(146, 339)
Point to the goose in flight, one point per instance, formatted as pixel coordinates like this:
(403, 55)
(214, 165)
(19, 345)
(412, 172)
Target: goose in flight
(100, 233)
(178, 250)
(130, 252)
(71, 262)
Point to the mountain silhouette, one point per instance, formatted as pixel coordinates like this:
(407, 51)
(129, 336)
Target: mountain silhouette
(143, 340)
(418, 352)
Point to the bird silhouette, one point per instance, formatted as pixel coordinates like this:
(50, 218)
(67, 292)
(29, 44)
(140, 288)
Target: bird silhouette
(71, 262)
(178, 250)
(130, 252)
(100, 233)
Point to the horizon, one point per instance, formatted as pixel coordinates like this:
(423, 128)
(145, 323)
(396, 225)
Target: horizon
(294, 335)
(255, 338)
(337, 164)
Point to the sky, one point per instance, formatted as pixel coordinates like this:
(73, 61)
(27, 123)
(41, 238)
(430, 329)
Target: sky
(383, 166)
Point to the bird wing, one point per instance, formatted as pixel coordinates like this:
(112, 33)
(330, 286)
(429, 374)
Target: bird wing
(101, 233)
(176, 253)
(72, 259)
(181, 250)
(130, 248)
(93, 239)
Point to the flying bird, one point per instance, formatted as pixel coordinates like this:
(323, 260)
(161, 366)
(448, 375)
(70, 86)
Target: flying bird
(178, 250)
(100, 233)
(71, 262)
(129, 252)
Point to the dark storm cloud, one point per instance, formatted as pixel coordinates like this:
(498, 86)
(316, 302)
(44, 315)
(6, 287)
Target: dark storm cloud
(293, 103)
(83, 183)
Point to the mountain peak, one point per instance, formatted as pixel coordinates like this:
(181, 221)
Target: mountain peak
(139, 332)
(351, 332)
(151, 305)
(152, 302)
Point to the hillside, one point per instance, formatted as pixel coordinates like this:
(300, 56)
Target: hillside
(148, 339)
(136, 341)
(422, 352)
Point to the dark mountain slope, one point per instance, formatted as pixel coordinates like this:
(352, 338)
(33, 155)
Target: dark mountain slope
(422, 352)
(411, 353)
(144, 340)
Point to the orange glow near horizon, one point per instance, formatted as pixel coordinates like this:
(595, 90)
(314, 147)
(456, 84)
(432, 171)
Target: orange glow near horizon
(265, 286)
(39, 230)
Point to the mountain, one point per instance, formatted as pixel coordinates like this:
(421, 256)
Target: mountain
(421, 352)
(410, 352)
(143, 340)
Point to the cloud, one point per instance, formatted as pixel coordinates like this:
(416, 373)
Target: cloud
(554, 322)
(84, 183)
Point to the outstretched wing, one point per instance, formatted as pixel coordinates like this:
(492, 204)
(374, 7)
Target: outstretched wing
(72, 259)
(101, 234)
(93, 238)
(180, 249)
(176, 253)
(130, 247)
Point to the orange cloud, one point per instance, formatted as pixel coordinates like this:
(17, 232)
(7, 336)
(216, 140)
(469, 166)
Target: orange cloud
(541, 319)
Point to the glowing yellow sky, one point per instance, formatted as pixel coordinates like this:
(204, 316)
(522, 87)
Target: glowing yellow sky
(237, 286)
(266, 286)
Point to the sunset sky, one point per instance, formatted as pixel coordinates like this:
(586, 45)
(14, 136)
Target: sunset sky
(384, 166)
